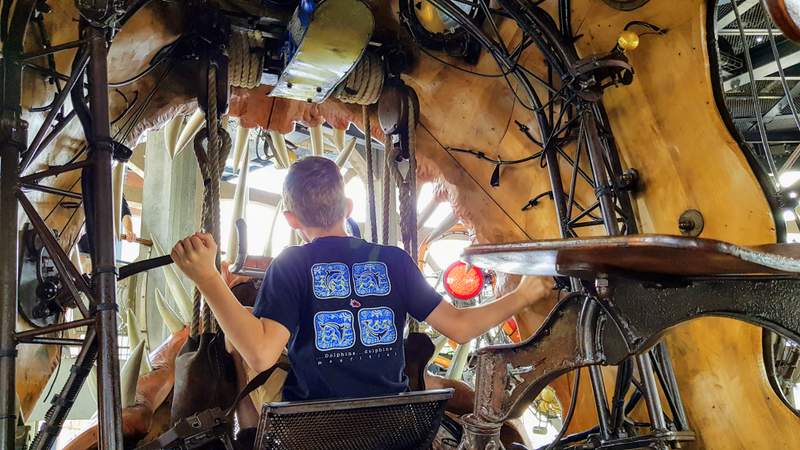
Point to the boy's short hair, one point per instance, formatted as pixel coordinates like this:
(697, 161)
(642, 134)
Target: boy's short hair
(314, 192)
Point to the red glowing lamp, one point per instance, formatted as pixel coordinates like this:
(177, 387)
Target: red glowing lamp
(463, 282)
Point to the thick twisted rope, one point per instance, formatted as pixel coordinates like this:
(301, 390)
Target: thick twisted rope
(388, 151)
(407, 189)
(370, 174)
(410, 226)
(212, 163)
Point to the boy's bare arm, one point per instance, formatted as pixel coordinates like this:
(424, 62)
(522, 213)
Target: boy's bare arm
(465, 324)
(259, 341)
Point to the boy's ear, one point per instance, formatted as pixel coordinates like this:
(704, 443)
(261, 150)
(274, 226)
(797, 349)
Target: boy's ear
(348, 207)
(293, 221)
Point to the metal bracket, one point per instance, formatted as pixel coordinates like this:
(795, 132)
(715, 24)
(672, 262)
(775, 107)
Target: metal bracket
(571, 337)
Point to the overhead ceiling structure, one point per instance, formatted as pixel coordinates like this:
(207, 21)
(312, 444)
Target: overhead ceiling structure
(755, 90)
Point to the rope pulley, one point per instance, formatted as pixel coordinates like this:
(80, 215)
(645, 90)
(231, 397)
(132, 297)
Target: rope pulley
(398, 109)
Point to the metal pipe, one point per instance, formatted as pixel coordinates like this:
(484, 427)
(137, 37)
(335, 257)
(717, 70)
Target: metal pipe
(459, 362)
(588, 323)
(50, 50)
(51, 190)
(652, 400)
(60, 404)
(36, 145)
(603, 187)
(762, 131)
(104, 277)
(601, 402)
(9, 250)
(53, 171)
(58, 128)
(27, 334)
(52, 341)
(669, 373)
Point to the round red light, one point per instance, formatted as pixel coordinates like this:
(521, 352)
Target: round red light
(461, 282)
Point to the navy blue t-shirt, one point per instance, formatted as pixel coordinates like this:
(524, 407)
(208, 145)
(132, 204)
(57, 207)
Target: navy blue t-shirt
(344, 301)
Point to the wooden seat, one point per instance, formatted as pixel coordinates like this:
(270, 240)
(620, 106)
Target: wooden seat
(654, 255)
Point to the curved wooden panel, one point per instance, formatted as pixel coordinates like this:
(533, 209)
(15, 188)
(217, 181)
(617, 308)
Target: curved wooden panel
(667, 126)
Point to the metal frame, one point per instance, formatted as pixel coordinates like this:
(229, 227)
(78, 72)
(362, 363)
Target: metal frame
(100, 317)
(574, 113)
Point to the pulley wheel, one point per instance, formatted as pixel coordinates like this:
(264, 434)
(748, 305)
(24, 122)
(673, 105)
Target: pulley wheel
(625, 5)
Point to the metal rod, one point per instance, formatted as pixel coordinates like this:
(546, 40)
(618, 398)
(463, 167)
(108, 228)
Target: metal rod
(601, 402)
(36, 145)
(52, 341)
(61, 404)
(621, 387)
(652, 399)
(69, 274)
(751, 31)
(50, 50)
(58, 128)
(27, 334)
(603, 187)
(53, 171)
(762, 131)
(786, 91)
(9, 256)
(104, 278)
(13, 137)
(51, 190)
(669, 373)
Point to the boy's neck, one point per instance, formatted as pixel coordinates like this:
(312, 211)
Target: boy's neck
(314, 233)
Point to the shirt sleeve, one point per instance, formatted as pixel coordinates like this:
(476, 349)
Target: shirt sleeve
(280, 295)
(420, 297)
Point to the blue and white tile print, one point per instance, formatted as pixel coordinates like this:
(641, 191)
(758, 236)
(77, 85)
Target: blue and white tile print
(334, 330)
(331, 280)
(376, 326)
(371, 278)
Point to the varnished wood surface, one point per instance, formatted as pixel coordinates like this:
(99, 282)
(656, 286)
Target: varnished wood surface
(635, 255)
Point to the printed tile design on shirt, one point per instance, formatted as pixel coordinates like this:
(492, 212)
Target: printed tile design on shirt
(331, 280)
(371, 278)
(376, 326)
(334, 330)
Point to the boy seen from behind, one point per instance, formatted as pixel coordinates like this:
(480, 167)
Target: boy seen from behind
(337, 303)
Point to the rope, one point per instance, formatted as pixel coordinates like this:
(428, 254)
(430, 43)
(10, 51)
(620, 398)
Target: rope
(370, 174)
(408, 201)
(211, 162)
(411, 223)
(364, 84)
(195, 326)
(246, 53)
(388, 151)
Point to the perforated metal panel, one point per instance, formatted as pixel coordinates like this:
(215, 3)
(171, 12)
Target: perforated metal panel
(399, 422)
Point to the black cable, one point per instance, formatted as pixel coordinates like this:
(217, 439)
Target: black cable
(501, 162)
(55, 377)
(127, 109)
(438, 142)
(565, 423)
(454, 66)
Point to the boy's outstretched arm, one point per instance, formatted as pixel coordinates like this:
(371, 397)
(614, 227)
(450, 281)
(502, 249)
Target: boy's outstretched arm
(465, 324)
(259, 341)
